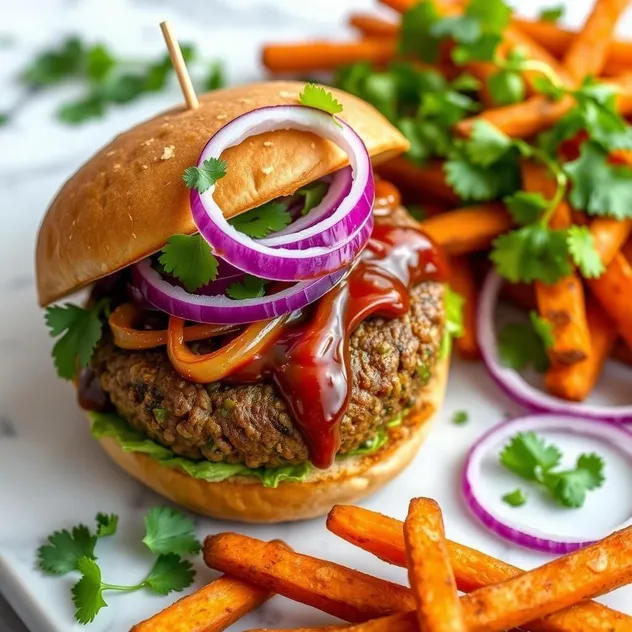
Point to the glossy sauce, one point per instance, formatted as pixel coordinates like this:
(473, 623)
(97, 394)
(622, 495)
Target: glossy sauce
(310, 363)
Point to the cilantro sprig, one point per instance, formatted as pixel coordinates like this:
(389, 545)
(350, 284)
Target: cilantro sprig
(169, 534)
(190, 259)
(78, 331)
(318, 97)
(521, 345)
(528, 456)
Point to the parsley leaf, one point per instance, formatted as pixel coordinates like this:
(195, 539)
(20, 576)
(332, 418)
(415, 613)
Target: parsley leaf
(528, 456)
(81, 329)
(552, 14)
(525, 207)
(203, 178)
(263, 220)
(106, 524)
(313, 195)
(581, 247)
(318, 97)
(487, 144)
(460, 417)
(87, 593)
(170, 531)
(170, 573)
(521, 344)
(64, 549)
(570, 486)
(190, 259)
(516, 498)
(250, 287)
(533, 252)
(599, 187)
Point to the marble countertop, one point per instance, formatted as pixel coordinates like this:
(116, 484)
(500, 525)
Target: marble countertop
(52, 473)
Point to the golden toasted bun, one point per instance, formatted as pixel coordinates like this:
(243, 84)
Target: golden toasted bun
(245, 499)
(129, 198)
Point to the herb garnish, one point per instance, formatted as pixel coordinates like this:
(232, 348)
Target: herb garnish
(318, 97)
(189, 258)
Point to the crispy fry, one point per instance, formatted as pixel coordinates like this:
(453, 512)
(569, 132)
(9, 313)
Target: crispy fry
(622, 353)
(210, 609)
(428, 179)
(463, 282)
(429, 572)
(561, 304)
(372, 26)
(401, 622)
(330, 587)
(587, 53)
(384, 537)
(613, 289)
(468, 229)
(398, 5)
(609, 236)
(324, 55)
(576, 381)
(627, 249)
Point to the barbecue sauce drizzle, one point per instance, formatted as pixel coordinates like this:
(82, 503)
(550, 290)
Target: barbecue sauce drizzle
(310, 362)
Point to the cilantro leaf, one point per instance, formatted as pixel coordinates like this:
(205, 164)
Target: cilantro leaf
(487, 144)
(75, 112)
(462, 28)
(250, 287)
(81, 329)
(528, 456)
(106, 524)
(581, 247)
(483, 49)
(525, 207)
(318, 97)
(372, 445)
(465, 82)
(216, 77)
(492, 14)
(190, 259)
(99, 62)
(170, 531)
(469, 181)
(87, 593)
(313, 195)
(543, 328)
(203, 178)
(519, 346)
(552, 14)
(170, 573)
(416, 31)
(453, 307)
(599, 187)
(4, 118)
(263, 220)
(569, 487)
(55, 65)
(460, 417)
(506, 87)
(530, 253)
(64, 549)
(516, 498)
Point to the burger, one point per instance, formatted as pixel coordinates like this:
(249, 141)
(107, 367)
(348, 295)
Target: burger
(264, 333)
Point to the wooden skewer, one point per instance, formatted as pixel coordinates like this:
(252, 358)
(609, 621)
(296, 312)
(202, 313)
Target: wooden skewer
(179, 66)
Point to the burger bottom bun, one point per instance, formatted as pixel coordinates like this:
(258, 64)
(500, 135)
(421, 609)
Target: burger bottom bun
(245, 499)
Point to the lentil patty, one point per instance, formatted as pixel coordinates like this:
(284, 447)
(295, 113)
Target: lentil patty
(391, 360)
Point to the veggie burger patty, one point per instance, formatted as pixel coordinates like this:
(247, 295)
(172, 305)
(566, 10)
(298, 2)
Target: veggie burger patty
(391, 360)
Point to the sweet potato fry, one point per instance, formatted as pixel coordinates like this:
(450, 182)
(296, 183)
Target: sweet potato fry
(561, 304)
(576, 381)
(324, 55)
(330, 587)
(463, 282)
(587, 53)
(384, 537)
(626, 250)
(622, 353)
(613, 289)
(372, 26)
(431, 577)
(210, 609)
(609, 236)
(401, 622)
(428, 179)
(468, 229)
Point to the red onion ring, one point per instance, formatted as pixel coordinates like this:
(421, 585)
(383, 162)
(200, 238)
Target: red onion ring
(526, 537)
(221, 310)
(342, 234)
(513, 384)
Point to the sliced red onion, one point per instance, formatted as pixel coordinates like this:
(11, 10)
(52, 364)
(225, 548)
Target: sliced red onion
(513, 383)
(343, 230)
(296, 232)
(497, 437)
(220, 309)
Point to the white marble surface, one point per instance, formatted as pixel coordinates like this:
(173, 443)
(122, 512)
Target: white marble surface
(52, 473)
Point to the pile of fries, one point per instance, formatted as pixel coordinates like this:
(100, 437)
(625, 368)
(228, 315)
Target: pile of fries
(551, 598)
(591, 318)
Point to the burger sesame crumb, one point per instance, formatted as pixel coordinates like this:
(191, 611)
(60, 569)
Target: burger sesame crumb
(313, 145)
(284, 94)
(133, 234)
(131, 219)
(245, 101)
(111, 153)
(116, 166)
(145, 166)
(147, 142)
(168, 152)
(268, 143)
(221, 117)
(267, 170)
